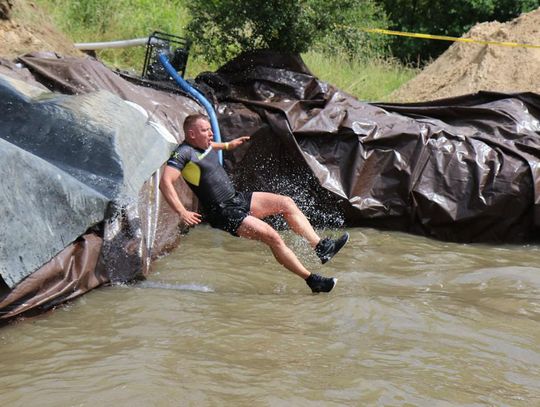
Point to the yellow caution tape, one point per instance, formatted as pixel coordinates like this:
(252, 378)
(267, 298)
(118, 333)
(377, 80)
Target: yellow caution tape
(446, 38)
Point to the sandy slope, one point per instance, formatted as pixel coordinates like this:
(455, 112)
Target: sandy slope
(30, 29)
(468, 68)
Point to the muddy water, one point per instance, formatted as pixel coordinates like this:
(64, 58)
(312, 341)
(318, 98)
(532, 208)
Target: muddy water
(412, 322)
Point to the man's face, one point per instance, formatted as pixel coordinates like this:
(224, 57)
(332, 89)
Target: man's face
(200, 134)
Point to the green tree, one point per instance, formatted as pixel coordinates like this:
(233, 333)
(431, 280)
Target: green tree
(443, 17)
(345, 35)
(221, 29)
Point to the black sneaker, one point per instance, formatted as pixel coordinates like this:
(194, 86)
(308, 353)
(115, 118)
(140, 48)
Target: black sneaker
(320, 284)
(327, 248)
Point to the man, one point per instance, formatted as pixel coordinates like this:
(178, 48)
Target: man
(239, 213)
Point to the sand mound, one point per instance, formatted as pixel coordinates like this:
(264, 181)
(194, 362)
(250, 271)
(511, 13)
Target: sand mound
(30, 29)
(468, 68)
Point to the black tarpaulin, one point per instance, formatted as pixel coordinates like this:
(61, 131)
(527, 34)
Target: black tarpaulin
(463, 169)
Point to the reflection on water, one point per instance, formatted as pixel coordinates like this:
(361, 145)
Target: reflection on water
(411, 322)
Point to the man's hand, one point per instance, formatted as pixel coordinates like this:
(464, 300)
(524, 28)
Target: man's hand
(238, 142)
(191, 218)
(230, 145)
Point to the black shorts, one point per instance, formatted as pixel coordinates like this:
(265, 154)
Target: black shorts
(230, 214)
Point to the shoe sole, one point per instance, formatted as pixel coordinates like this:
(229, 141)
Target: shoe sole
(335, 283)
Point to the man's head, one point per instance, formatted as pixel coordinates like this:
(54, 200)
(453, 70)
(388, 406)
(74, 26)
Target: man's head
(198, 131)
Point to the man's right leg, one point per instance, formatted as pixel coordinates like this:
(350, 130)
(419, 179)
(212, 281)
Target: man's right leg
(264, 204)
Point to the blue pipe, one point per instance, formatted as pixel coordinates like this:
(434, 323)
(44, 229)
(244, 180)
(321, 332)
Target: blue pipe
(198, 96)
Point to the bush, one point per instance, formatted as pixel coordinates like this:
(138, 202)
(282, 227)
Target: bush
(221, 29)
(345, 36)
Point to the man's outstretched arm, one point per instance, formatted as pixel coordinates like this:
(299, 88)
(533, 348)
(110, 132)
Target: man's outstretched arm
(166, 185)
(231, 145)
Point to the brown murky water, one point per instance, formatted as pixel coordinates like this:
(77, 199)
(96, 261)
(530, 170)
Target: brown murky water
(412, 322)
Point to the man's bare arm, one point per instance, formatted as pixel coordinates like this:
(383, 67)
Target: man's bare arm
(166, 185)
(231, 145)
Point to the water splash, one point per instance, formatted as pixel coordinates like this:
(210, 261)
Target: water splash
(279, 171)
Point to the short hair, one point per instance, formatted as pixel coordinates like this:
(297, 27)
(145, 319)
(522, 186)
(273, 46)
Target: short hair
(191, 119)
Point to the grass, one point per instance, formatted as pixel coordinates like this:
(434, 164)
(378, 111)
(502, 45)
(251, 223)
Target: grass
(370, 80)
(105, 20)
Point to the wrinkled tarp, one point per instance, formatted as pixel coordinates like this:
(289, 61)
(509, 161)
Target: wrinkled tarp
(18, 71)
(74, 76)
(63, 160)
(463, 169)
(69, 274)
(164, 107)
(168, 109)
(67, 164)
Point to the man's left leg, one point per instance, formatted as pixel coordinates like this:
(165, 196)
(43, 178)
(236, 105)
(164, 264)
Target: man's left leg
(264, 204)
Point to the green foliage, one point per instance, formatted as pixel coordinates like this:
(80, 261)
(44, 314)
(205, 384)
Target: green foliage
(368, 79)
(91, 13)
(443, 17)
(225, 28)
(345, 36)
(109, 20)
(331, 57)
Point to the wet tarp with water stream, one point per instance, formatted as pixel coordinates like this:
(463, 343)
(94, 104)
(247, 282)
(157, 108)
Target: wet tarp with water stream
(463, 169)
(73, 169)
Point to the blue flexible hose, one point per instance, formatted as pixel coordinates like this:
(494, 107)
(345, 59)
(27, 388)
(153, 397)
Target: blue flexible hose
(198, 96)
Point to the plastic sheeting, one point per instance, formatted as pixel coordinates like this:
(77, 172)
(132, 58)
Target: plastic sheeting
(70, 273)
(67, 164)
(165, 106)
(75, 76)
(464, 169)
(66, 159)
(77, 163)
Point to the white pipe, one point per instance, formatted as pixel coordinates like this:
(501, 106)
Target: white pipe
(113, 44)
